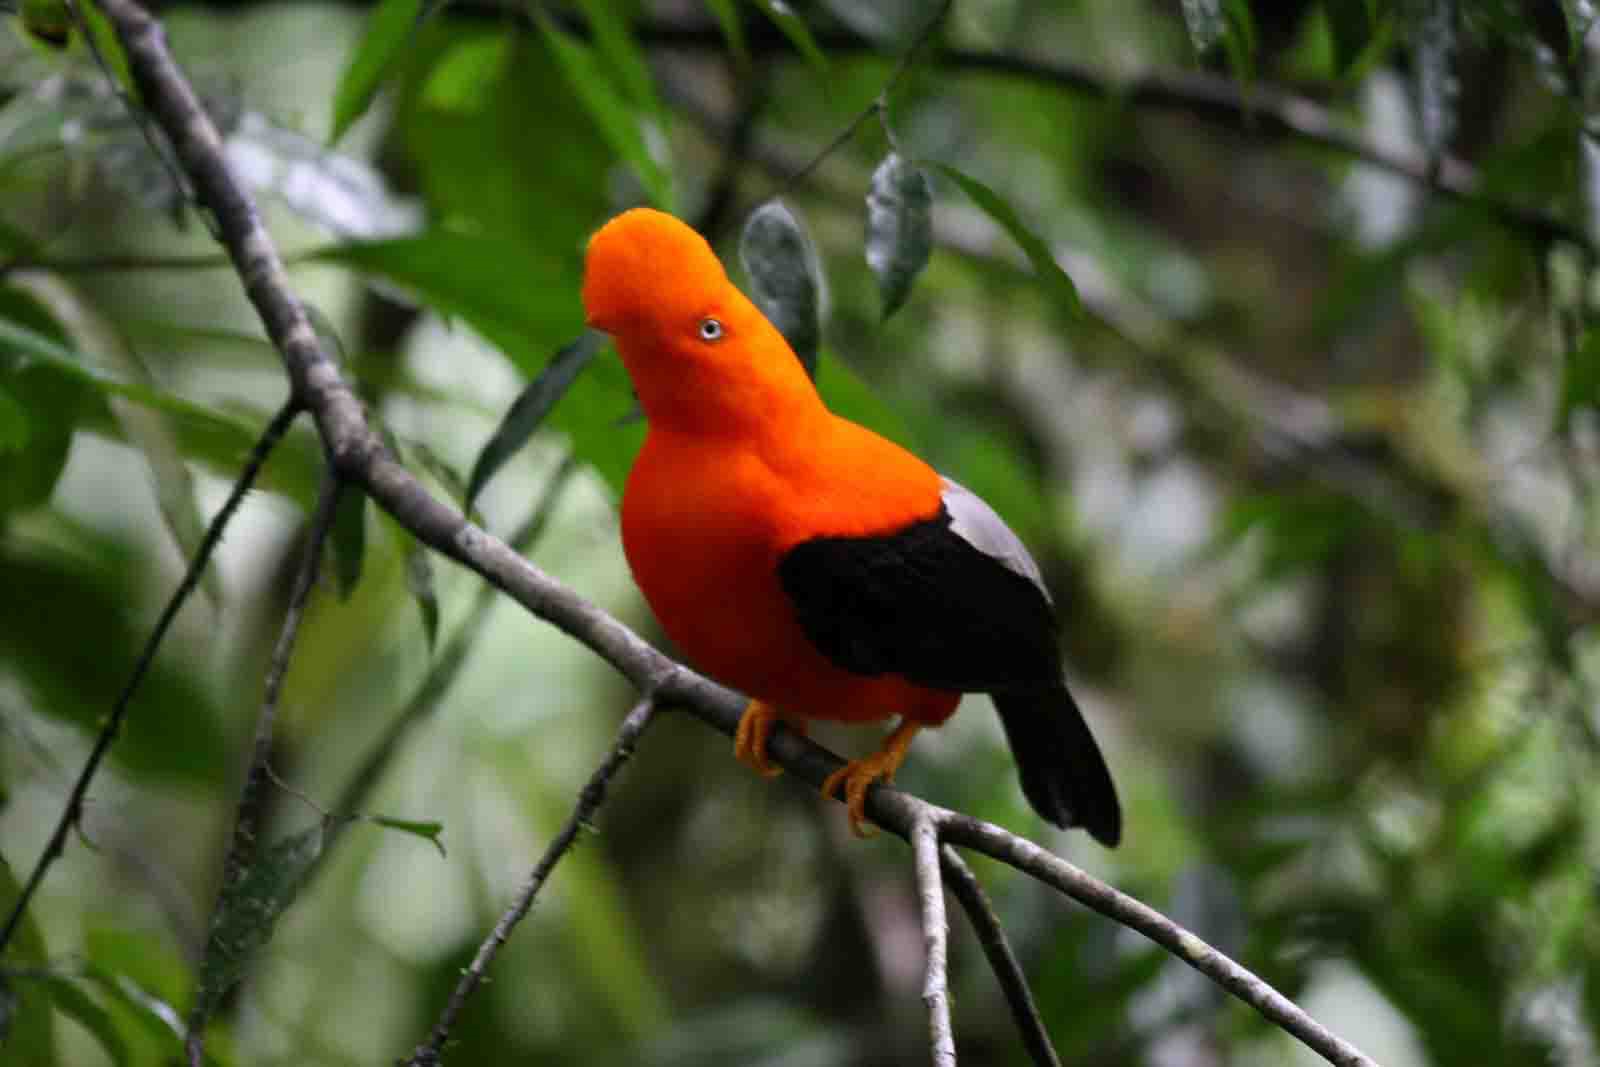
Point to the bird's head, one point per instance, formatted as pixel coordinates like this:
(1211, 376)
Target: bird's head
(689, 337)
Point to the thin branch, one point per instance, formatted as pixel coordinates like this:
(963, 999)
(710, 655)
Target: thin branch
(247, 823)
(73, 812)
(992, 937)
(935, 940)
(589, 801)
(360, 456)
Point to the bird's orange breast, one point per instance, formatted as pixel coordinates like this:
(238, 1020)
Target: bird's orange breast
(705, 522)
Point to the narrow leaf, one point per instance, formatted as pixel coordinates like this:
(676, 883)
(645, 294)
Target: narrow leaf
(1038, 253)
(81, 1008)
(899, 228)
(428, 830)
(622, 53)
(785, 277)
(349, 540)
(389, 28)
(726, 13)
(248, 911)
(419, 580)
(793, 27)
(528, 411)
(616, 120)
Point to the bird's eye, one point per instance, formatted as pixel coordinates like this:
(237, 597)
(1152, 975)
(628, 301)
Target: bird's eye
(710, 329)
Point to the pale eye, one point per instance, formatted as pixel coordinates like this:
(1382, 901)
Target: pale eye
(710, 330)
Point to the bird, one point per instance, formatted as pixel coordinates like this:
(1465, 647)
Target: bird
(804, 560)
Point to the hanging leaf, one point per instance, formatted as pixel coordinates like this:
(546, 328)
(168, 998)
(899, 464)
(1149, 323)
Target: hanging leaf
(622, 53)
(785, 277)
(528, 411)
(616, 119)
(899, 228)
(349, 540)
(389, 28)
(1038, 253)
(248, 911)
(794, 27)
(420, 582)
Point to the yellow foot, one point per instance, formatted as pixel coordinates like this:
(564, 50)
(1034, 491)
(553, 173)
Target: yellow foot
(750, 741)
(858, 774)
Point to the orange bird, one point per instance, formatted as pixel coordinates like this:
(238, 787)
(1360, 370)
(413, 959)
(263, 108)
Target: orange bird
(808, 562)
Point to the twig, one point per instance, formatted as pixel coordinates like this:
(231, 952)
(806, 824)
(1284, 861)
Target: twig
(589, 800)
(360, 457)
(73, 811)
(880, 103)
(935, 940)
(992, 937)
(247, 823)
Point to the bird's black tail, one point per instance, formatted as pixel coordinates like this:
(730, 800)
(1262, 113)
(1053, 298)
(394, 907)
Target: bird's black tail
(1063, 774)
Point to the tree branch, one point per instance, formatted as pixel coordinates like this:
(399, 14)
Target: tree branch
(247, 823)
(935, 940)
(360, 457)
(589, 801)
(73, 812)
(992, 937)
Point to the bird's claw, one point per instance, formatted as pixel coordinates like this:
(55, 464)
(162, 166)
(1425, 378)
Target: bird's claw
(856, 777)
(750, 740)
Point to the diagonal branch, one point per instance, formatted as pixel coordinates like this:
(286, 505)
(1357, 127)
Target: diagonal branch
(1013, 983)
(247, 823)
(360, 457)
(589, 801)
(73, 812)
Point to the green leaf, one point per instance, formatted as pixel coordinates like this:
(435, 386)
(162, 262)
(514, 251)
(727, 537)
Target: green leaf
(463, 80)
(622, 54)
(785, 277)
(1350, 28)
(391, 25)
(348, 539)
(249, 909)
(484, 280)
(793, 27)
(899, 228)
(27, 1033)
(428, 830)
(847, 395)
(1580, 379)
(45, 404)
(82, 1009)
(110, 46)
(528, 411)
(47, 21)
(13, 422)
(420, 583)
(726, 13)
(617, 121)
(1038, 253)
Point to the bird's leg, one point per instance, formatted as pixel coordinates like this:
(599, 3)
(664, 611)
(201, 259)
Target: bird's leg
(858, 774)
(755, 726)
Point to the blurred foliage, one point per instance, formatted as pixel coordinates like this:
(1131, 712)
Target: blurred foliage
(1307, 451)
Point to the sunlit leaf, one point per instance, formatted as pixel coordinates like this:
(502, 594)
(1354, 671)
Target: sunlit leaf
(389, 27)
(1038, 253)
(248, 911)
(528, 411)
(616, 119)
(348, 540)
(464, 78)
(899, 228)
(794, 27)
(785, 277)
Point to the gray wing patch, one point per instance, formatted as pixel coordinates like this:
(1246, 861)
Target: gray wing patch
(977, 524)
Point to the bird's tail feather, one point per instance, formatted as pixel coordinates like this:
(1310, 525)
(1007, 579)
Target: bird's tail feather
(1063, 774)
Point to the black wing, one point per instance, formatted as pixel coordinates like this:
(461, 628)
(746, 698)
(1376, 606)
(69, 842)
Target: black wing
(926, 603)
